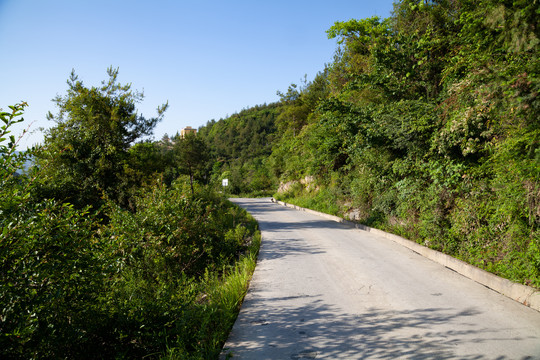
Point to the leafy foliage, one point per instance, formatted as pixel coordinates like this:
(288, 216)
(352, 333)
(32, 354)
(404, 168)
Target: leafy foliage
(51, 269)
(163, 279)
(52, 275)
(193, 157)
(430, 130)
(239, 146)
(86, 150)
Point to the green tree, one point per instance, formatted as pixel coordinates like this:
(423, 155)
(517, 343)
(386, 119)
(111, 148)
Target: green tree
(152, 282)
(145, 162)
(86, 149)
(51, 269)
(10, 160)
(193, 158)
(430, 129)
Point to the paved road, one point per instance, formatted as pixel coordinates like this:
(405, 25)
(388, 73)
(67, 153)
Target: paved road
(322, 290)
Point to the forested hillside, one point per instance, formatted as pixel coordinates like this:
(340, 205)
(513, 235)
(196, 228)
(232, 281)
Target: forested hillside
(240, 146)
(427, 124)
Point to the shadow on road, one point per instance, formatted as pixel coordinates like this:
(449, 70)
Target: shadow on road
(283, 319)
(254, 206)
(306, 224)
(314, 331)
(287, 247)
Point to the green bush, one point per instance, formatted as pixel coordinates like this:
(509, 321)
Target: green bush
(52, 275)
(163, 280)
(52, 268)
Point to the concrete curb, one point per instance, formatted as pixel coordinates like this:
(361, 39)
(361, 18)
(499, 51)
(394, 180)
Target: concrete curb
(526, 295)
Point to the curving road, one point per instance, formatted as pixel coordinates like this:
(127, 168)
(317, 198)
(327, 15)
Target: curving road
(322, 290)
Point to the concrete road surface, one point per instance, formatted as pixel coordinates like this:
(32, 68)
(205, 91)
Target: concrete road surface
(322, 290)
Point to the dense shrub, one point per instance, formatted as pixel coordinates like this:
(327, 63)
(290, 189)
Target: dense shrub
(432, 122)
(163, 279)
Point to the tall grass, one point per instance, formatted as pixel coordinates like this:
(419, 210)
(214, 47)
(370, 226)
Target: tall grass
(323, 200)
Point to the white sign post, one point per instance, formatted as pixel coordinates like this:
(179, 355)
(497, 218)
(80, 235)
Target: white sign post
(225, 182)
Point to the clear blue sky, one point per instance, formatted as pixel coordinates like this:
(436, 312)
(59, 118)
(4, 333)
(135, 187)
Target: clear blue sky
(208, 58)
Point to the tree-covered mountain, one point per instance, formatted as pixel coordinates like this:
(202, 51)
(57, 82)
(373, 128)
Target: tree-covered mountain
(425, 124)
(240, 146)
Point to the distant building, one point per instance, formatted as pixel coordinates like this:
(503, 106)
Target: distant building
(187, 130)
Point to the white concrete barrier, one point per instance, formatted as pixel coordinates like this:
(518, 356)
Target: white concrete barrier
(524, 294)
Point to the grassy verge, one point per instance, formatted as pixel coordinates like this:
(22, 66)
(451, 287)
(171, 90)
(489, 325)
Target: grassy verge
(217, 307)
(322, 200)
(513, 258)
